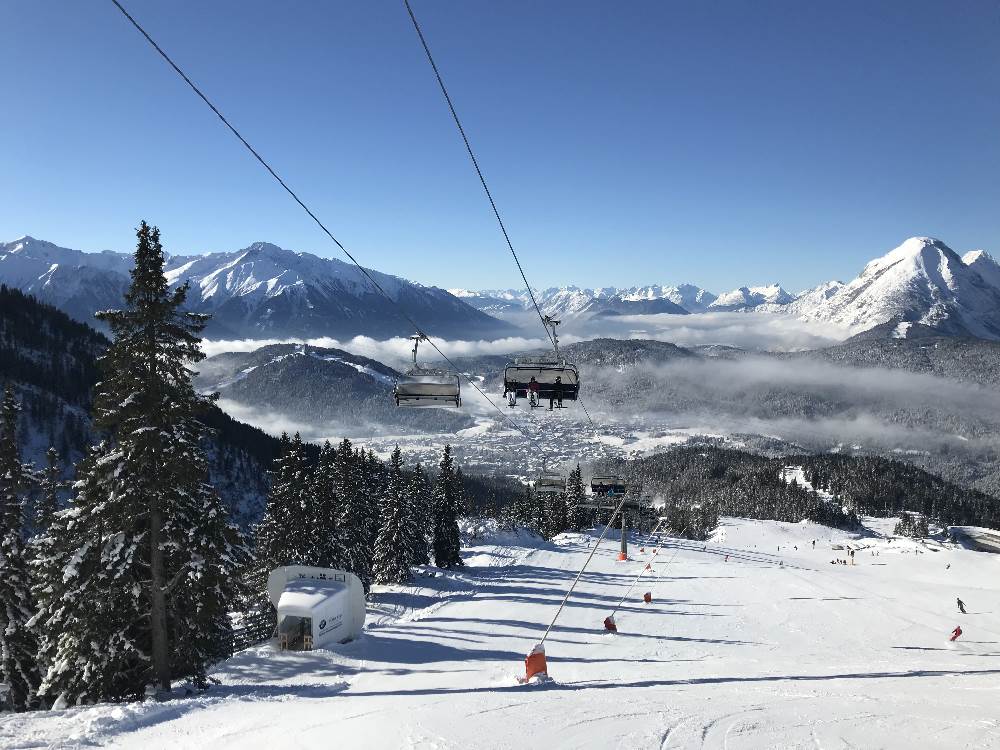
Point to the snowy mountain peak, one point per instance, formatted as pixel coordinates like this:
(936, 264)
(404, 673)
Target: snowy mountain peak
(748, 298)
(922, 281)
(922, 252)
(983, 263)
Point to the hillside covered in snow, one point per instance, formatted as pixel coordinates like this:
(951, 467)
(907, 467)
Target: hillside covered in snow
(754, 638)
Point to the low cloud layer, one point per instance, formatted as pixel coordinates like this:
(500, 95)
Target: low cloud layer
(759, 331)
(814, 403)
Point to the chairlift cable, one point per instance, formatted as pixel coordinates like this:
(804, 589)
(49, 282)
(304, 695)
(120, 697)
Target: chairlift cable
(475, 163)
(306, 208)
(486, 189)
(578, 575)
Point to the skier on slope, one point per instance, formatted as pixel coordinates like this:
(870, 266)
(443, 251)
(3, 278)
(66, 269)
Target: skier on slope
(955, 633)
(961, 606)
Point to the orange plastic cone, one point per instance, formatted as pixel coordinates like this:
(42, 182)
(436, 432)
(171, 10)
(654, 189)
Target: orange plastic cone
(622, 557)
(647, 597)
(609, 624)
(535, 662)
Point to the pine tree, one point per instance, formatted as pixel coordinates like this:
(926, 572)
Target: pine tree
(447, 544)
(392, 548)
(331, 543)
(347, 478)
(48, 490)
(556, 515)
(524, 507)
(420, 516)
(575, 495)
(151, 559)
(18, 641)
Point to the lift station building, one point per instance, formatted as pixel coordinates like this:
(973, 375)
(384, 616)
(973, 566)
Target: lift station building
(316, 606)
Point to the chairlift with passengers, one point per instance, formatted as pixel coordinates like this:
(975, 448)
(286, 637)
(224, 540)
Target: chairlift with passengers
(427, 386)
(608, 485)
(539, 378)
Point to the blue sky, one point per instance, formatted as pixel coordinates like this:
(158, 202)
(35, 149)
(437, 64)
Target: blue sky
(719, 143)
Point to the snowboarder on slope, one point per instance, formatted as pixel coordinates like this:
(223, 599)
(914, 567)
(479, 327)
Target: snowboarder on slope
(955, 633)
(961, 606)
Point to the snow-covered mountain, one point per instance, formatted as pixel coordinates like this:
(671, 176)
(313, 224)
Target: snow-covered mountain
(983, 263)
(571, 302)
(748, 298)
(922, 281)
(261, 290)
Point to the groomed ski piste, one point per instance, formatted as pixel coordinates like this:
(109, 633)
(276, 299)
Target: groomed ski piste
(744, 645)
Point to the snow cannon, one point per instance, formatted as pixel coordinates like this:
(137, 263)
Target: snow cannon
(609, 624)
(647, 597)
(535, 664)
(316, 606)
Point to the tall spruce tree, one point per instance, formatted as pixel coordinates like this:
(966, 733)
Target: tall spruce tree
(149, 559)
(575, 495)
(331, 542)
(18, 641)
(393, 545)
(447, 544)
(347, 478)
(420, 516)
(556, 514)
(49, 487)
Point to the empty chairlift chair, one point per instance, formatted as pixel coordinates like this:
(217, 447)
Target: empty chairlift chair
(556, 379)
(427, 386)
(550, 484)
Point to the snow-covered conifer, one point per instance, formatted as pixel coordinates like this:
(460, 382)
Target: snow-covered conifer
(393, 545)
(331, 544)
(149, 559)
(420, 516)
(18, 642)
(447, 545)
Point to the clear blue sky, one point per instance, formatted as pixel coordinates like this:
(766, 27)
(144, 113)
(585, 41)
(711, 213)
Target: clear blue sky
(720, 143)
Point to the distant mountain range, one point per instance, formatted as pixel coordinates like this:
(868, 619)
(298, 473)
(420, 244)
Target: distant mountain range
(264, 291)
(921, 283)
(259, 291)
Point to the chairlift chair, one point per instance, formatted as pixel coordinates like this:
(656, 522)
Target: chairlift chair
(608, 484)
(545, 370)
(427, 386)
(549, 483)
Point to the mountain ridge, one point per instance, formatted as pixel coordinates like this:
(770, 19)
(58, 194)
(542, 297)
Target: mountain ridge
(257, 291)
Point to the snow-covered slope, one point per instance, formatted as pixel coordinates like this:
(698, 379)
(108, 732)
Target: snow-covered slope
(259, 290)
(921, 281)
(752, 640)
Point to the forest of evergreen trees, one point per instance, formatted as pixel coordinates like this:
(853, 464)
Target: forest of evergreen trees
(745, 484)
(129, 588)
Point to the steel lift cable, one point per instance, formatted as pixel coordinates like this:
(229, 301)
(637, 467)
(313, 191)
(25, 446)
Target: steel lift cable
(309, 211)
(578, 575)
(486, 189)
(475, 163)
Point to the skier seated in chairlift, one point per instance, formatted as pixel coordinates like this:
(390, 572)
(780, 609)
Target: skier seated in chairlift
(533, 391)
(557, 394)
